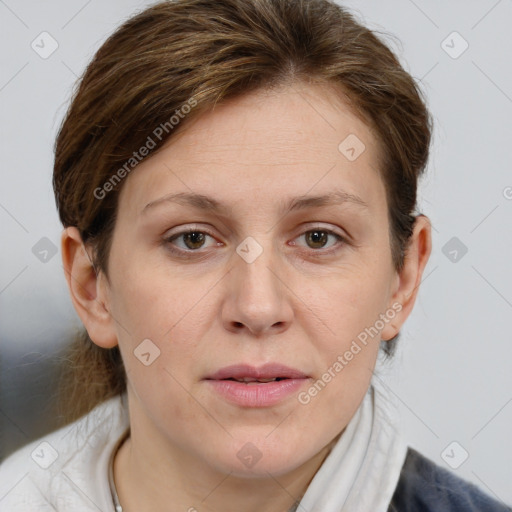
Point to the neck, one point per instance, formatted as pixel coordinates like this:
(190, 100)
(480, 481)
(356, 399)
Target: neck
(146, 484)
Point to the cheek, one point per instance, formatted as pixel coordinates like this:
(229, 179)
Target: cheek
(172, 314)
(348, 350)
(348, 343)
(349, 305)
(153, 302)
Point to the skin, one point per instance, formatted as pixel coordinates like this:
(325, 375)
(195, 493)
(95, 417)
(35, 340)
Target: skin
(296, 303)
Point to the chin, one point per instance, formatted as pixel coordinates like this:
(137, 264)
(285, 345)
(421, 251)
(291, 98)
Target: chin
(256, 457)
(263, 469)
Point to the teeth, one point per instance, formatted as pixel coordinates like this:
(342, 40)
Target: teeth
(250, 380)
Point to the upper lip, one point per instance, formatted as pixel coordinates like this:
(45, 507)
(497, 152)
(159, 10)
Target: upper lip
(267, 371)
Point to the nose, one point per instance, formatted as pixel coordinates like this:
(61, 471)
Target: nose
(257, 300)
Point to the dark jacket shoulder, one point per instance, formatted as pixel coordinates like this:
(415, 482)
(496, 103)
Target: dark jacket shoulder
(424, 486)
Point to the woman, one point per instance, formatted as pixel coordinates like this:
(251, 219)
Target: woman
(237, 181)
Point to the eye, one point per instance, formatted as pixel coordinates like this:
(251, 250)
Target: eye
(318, 238)
(192, 239)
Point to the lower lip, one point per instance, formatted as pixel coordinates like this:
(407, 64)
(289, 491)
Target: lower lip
(263, 394)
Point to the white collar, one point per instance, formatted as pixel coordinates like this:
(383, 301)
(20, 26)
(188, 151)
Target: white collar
(360, 473)
(362, 470)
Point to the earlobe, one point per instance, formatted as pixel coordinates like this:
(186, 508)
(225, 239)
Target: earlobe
(409, 279)
(88, 289)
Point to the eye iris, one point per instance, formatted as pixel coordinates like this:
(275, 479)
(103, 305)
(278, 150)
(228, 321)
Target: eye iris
(317, 237)
(194, 237)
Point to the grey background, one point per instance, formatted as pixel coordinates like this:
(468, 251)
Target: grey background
(452, 375)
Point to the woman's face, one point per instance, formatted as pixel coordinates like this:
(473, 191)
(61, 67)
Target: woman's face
(287, 263)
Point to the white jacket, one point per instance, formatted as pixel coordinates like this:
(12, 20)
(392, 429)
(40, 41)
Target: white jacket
(66, 470)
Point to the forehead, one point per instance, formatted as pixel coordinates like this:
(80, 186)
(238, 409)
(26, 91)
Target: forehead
(266, 146)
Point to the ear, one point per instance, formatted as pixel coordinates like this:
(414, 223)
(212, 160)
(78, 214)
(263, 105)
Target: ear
(407, 282)
(89, 290)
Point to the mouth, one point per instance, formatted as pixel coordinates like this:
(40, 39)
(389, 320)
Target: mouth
(267, 373)
(250, 386)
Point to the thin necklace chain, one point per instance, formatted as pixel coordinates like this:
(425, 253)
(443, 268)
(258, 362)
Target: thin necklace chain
(119, 508)
(115, 497)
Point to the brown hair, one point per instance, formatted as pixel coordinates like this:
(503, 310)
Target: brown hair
(198, 53)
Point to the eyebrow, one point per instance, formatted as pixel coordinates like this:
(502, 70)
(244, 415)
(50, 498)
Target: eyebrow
(203, 202)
